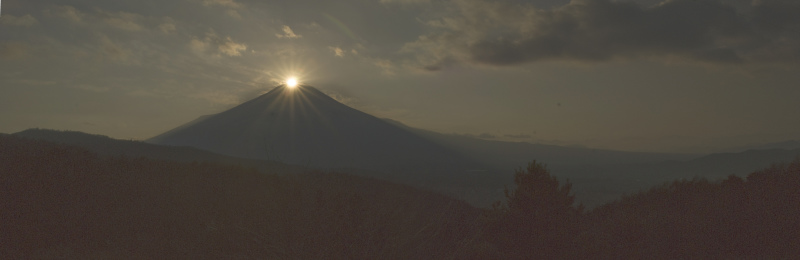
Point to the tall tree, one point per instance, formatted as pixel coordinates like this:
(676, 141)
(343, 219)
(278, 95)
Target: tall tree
(538, 220)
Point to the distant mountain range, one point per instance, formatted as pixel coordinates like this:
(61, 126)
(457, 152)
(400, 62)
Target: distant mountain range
(510, 155)
(789, 145)
(107, 146)
(293, 130)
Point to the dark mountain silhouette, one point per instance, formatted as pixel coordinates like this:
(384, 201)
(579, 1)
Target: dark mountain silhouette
(788, 145)
(481, 190)
(304, 126)
(594, 184)
(107, 146)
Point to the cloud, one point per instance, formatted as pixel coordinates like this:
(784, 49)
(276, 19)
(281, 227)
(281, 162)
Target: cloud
(91, 88)
(337, 51)
(288, 33)
(167, 27)
(198, 45)
(26, 20)
(230, 4)
(234, 14)
(481, 136)
(65, 12)
(225, 3)
(35, 82)
(114, 51)
(519, 136)
(123, 20)
(405, 2)
(212, 41)
(231, 48)
(504, 33)
(386, 66)
(9, 51)
(487, 136)
(95, 18)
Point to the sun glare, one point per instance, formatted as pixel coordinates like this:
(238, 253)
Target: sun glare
(291, 82)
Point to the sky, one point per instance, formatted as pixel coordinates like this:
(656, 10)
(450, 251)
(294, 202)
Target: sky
(669, 76)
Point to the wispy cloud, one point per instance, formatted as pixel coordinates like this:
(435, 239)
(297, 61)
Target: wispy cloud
(13, 50)
(231, 48)
(65, 12)
(167, 27)
(219, 45)
(224, 3)
(288, 33)
(123, 20)
(25, 20)
(406, 2)
(114, 51)
(337, 51)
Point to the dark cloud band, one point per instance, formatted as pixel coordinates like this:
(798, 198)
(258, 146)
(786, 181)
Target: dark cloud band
(503, 33)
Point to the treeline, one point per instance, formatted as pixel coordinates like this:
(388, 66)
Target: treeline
(757, 217)
(58, 201)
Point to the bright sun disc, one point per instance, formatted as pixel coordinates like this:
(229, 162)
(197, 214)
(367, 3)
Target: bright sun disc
(291, 82)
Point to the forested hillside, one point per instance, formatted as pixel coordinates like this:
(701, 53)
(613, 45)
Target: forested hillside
(60, 201)
(65, 202)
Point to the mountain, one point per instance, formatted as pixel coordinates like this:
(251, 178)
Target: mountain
(304, 126)
(788, 145)
(594, 184)
(510, 155)
(600, 176)
(106, 146)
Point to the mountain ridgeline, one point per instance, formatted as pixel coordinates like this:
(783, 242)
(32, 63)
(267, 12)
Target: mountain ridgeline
(304, 126)
(228, 186)
(290, 130)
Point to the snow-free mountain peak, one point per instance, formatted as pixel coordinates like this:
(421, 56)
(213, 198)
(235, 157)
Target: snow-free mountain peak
(303, 125)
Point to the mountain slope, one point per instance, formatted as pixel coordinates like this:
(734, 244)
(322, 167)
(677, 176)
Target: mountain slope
(304, 126)
(789, 145)
(106, 146)
(510, 155)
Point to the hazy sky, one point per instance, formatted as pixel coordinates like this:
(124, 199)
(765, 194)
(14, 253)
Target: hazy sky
(677, 75)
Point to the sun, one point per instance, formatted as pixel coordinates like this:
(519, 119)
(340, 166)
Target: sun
(291, 82)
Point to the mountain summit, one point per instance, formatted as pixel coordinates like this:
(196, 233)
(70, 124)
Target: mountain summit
(302, 125)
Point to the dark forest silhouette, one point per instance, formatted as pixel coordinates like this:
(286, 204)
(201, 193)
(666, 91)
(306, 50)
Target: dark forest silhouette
(60, 201)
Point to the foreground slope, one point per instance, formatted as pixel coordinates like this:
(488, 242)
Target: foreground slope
(64, 202)
(756, 217)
